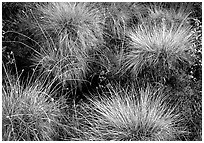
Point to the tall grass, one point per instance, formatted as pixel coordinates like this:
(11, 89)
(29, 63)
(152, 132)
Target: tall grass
(164, 46)
(69, 67)
(122, 114)
(102, 44)
(28, 111)
(69, 32)
(80, 22)
(118, 18)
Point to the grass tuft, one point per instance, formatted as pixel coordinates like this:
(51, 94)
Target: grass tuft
(80, 22)
(28, 112)
(122, 114)
(101, 71)
(163, 46)
(70, 31)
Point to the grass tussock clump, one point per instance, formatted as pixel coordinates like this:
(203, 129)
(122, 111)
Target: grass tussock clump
(129, 115)
(162, 46)
(76, 21)
(70, 31)
(28, 113)
(101, 71)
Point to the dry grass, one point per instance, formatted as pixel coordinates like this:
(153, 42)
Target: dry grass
(80, 22)
(70, 31)
(28, 113)
(65, 65)
(122, 114)
(108, 54)
(163, 46)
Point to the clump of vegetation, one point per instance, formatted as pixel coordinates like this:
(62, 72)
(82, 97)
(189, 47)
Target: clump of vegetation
(126, 114)
(101, 71)
(28, 111)
(79, 22)
(162, 47)
(69, 32)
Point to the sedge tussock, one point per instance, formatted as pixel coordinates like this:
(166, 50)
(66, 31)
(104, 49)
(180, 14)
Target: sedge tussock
(79, 22)
(122, 114)
(28, 113)
(70, 31)
(156, 46)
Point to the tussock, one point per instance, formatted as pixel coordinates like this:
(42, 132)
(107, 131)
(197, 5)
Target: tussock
(28, 113)
(70, 31)
(163, 46)
(129, 115)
